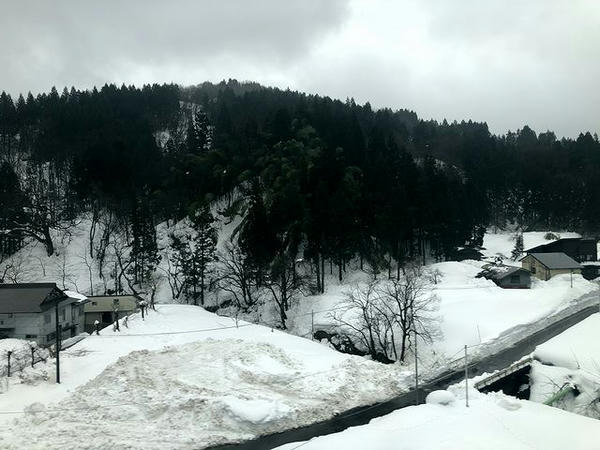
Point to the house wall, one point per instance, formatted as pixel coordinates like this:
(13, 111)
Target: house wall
(524, 282)
(540, 271)
(41, 326)
(95, 309)
(560, 271)
(536, 268)
(20, 326)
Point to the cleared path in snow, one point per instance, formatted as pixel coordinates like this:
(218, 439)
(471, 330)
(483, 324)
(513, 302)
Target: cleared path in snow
(363, 415)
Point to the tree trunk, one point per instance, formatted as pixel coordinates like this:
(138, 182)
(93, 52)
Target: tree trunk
(322, 275)
(48, 241)
(318, 273)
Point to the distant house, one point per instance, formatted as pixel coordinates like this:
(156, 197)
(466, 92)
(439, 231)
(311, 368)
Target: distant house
(28, 311)
(464, 253)
(507, 277)
(545, 265)
(513, 278)
(104, 309)
(579, 249)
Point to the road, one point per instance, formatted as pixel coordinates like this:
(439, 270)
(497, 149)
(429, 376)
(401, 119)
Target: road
(362, 415)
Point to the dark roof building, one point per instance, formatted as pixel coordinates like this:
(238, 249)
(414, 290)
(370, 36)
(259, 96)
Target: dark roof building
(556, 260)
(577, 248)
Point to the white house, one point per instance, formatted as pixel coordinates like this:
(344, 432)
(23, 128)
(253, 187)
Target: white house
(28, 311)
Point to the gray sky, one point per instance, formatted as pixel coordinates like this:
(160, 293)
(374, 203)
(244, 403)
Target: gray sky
(506, 62)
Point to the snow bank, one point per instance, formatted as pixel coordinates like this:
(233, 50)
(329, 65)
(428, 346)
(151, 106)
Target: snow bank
(492, 422)
(186, 378)
(570, 360)
(443, 398)
(576, 348)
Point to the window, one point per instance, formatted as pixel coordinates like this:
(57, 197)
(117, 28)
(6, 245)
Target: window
(31, 336)
(532, 268)
(74, 312)
(94, 303)
(63, 314)
(47, 318)
(514, 279)
(50, 337)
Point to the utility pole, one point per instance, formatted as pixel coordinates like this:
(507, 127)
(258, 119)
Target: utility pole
(466, 378)
(8, 369)
(57, 331)
(416, 371)
(312, 324)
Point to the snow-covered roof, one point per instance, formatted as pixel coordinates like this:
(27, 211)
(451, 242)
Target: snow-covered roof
(499, 274)
(76, 295)
(556, 260)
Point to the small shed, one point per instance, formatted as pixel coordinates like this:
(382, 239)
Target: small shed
(546, 265)
(105, 308)
(512, 278)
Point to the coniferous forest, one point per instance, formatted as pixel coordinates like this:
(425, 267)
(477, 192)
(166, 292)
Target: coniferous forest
(317, 179)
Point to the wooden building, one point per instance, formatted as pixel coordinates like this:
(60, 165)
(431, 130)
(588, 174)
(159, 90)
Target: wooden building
(546, 265)
(104, 309)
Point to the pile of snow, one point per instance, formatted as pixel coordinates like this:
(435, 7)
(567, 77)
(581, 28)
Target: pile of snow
(491, 422)
(570, 361)
(443, 398)
(575, 348)
(186, 378)
(20, 355)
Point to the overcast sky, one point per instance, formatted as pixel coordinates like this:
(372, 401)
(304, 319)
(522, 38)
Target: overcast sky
(505, 62)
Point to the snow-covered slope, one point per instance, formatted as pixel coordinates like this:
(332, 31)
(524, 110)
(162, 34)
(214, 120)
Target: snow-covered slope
(491, 422)
(186, 378)
(502, 243)
(571, 360)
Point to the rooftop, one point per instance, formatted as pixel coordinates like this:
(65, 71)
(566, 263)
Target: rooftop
(27, 297)
(556, 260)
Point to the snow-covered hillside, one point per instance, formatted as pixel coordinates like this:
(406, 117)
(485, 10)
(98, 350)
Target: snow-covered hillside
(186, 378)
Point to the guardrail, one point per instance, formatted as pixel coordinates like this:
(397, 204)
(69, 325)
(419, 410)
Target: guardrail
(503, 373)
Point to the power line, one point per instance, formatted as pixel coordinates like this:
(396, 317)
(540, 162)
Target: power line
(164, 333)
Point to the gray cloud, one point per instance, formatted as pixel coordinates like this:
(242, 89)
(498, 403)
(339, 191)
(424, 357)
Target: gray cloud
(73, 41)
(506, 62)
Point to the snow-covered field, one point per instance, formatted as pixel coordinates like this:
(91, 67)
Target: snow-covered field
(472, 311)
(186, 378)
(491, 422)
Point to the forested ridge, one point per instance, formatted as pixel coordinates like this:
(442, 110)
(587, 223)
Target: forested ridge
(317, 180)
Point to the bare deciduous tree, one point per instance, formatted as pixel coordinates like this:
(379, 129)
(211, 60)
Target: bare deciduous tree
(385, 315)
(236, 277)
